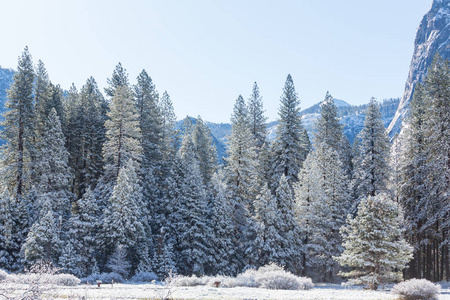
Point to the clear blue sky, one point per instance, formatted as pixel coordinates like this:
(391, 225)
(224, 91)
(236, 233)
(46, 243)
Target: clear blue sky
(205, 53)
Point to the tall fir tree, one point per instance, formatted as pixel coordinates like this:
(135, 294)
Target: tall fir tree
(371, 165)
(169, 133)
(150, 119)
(241, 172)
(269, 244)
(54, 174)
(192, 230)
(122, 221)
(328, 128)
(222, 241)
(18, 154)
(323, 199)
(256, 117)
(290, 147)
(118, 79)
(85, 135)
(83, 232)
(123, 134)
(289, 228)
(205, 150)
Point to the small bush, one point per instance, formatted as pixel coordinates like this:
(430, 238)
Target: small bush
(65, 280)
(3, 275)
(417, 289)
(270, 277)
(144, 276)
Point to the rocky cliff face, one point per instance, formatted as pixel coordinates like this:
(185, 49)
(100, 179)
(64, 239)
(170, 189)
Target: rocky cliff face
(433, 36)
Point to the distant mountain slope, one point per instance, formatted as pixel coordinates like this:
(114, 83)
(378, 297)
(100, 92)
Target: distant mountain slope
(433, 36)
(352, 117)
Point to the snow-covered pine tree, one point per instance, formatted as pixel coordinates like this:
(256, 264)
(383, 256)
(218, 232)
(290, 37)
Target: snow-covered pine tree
(241, 167)
(53, 172)
(373, 243)
(42, 96)
(192, 230)
(118, 79)
(241, 173)
(122, 219)
(290, 147)
(371, 166)
(164, 260)
(328, 128)
(222, 240)
(256, 117)
(123, 134)
(43, 241)
(289, 228)
(83, 231)
(6, 229)
(323, 197)
(169, 120)
(68, 261)
(306, 192)
(118, 262)
(205, 150)
(18, 154)
(268, 243)
(85, 135)
(150, 119)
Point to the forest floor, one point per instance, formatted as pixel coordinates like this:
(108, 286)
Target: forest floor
(155, 291)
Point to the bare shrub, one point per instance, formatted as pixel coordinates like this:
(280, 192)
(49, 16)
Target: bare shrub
(417, 289)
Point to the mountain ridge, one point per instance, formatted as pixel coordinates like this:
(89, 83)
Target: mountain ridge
(432, 37)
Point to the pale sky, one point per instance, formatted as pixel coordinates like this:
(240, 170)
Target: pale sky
(205, 53)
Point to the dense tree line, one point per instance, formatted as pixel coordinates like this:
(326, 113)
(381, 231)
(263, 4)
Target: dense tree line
(90, 183)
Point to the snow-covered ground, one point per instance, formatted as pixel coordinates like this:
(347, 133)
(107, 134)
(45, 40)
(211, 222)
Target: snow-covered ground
(153, 291)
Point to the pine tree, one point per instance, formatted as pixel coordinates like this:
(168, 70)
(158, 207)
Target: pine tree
(123, 134)
(222, 241)
(290, 147)
(53, 171)
(256, 117)
(241, 165)
(205, 150)
(18, 154)
(328, 128)
(169, 133)
(150, 119)
(6, 229)
(323, 199)
(192, 229)
(289, 229)
(241, 174)
(371, 167)
(43, 241)
(268, 243)
(68, 260)
(118, 262)
(373, 243)
(83, 231)
(43, 96)
(122, 221)
(86, 135)
(118, 79)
